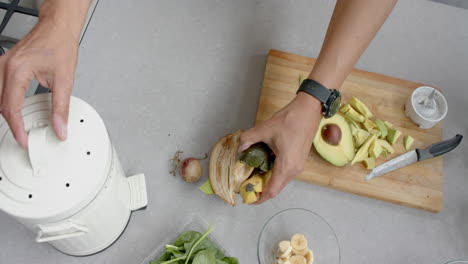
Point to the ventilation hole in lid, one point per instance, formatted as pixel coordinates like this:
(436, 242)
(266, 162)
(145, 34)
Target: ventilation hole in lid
(30, 196)
(88, 153)
(67, 185)
(0, 178)
(82, 120)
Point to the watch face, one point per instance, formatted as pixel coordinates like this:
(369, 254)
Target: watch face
(335, 104)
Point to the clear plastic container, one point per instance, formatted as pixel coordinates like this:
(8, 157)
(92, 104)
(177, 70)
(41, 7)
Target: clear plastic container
(194, 223)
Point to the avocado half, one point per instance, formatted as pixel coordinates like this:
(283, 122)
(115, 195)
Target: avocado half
(342, 153)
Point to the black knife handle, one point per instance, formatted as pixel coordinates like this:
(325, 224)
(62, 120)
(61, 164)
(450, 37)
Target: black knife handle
(440, 148)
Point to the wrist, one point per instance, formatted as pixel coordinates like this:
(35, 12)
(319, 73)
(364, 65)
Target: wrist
(309, 103)
(64, 17)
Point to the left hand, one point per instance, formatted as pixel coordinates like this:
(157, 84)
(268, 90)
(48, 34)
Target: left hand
(289, 133)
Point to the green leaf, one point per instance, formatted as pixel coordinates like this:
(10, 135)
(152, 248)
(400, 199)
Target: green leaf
(174, 250)
(206, 188)
(186, 237)
(165, 256)
(230, 260)
(190, 252)
(205, 257)
(205, 244)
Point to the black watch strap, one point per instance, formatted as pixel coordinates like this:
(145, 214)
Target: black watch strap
(315, 89)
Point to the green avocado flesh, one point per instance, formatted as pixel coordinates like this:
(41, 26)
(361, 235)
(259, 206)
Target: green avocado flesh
(258, 156)
(342, 153)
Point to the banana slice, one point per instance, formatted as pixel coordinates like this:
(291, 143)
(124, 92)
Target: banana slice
(310, 257)
(284, 248)
(299, 242)
(281, 261)
(296, 259)
(302, 252)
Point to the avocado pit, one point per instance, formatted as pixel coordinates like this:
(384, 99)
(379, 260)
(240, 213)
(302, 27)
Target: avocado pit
(331, 134)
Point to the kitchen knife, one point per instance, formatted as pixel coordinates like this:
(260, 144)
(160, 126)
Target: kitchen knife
(416, 155)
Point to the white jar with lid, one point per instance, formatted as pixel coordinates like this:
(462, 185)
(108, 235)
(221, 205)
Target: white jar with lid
(72, 194)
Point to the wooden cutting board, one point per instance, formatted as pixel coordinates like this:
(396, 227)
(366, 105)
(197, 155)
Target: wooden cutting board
(418, 185)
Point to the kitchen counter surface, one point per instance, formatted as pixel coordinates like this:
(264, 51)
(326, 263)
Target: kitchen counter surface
(177, 75)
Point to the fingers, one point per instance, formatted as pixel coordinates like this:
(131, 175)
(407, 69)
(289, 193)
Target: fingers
(253, 135)
(284, 171)
(15, 85)
(61, 91)
(276, 183)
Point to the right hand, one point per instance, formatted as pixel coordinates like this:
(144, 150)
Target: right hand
(49, 55)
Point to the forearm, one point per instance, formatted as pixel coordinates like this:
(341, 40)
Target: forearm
(353, 25)
(68, 15)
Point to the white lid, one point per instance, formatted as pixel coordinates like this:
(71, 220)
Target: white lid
(52, 179)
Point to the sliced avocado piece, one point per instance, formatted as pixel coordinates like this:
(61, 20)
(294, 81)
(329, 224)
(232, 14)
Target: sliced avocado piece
(353, 114)
(369, 163)
(384, 151)
(360, 107)
(345, 108)
(251, 188)
(360, 137)
(375, 131)
(258, 156)
(351, 122)
(368, 124)
(386, 146)
(408, 141)
(393, 136)
(354, 129)
(248, 197)
(388, 124)
(375, 149)
(382, 127)
(363, 151)
(342, 153)
(206, 188)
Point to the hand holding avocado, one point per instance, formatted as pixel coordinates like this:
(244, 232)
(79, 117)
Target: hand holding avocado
(289, 133)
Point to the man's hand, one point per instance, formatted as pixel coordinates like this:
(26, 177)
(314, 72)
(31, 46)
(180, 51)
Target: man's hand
(49, 55)
(289, 133)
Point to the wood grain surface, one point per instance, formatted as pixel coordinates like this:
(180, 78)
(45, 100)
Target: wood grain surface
(418, 185)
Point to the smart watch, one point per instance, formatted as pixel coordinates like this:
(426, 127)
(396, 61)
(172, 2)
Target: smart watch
(331, 99)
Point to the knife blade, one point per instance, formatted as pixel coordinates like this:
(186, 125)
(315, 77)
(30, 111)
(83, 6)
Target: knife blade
(416, 155)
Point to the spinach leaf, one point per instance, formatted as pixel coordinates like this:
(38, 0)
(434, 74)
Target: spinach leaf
(205, 257)
(205, 244)
(186, 237)
(229, 260)
(190, 252)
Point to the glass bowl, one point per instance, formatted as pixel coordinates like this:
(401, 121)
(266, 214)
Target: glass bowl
(321, 237)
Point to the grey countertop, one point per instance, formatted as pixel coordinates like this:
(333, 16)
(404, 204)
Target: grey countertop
(168, 75)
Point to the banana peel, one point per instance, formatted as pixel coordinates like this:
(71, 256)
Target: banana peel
(227, 174)
(223, 158)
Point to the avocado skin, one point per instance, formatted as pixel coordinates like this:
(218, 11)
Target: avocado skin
(258, 156)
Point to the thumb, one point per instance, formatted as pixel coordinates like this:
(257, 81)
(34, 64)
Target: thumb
(61, 91)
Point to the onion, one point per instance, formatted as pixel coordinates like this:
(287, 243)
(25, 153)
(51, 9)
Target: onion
(191, 170)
